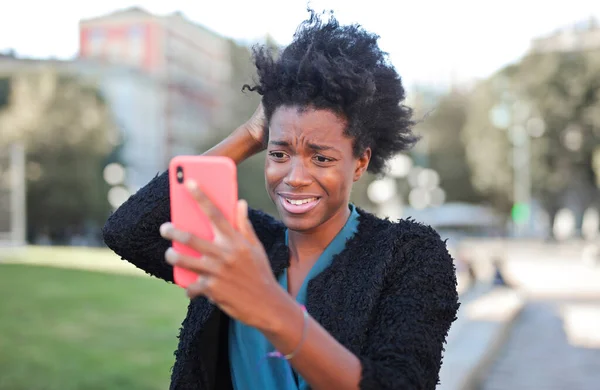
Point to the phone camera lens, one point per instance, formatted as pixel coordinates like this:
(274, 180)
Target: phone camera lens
(180, 175)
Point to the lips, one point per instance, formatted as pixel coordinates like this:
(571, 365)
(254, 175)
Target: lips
(298, 204)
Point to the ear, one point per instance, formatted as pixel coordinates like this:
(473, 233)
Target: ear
(362, 164)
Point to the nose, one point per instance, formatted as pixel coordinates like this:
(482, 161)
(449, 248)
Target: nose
(298, 175)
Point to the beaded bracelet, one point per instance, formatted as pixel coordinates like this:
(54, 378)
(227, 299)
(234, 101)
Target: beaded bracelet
(289, 356)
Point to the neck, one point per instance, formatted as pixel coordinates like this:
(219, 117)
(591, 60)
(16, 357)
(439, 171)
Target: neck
(308, 245)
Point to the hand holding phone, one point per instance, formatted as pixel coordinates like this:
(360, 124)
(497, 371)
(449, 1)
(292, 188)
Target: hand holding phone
(217, 179)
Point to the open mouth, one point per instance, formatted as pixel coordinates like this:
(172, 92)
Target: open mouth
(298, 205)
(299, 202)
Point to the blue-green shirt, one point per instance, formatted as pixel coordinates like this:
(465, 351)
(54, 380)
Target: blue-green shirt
(248, 347)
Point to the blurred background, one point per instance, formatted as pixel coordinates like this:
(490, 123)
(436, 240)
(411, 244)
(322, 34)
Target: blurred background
(95, 98)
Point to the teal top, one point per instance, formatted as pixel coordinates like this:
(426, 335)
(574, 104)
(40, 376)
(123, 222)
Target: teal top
(248, 347)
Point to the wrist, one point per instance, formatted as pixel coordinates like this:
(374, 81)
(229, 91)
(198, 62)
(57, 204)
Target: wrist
(282, 314)
(256, 133)
(249, 144)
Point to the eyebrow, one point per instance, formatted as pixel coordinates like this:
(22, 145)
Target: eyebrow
(279, 143)
(316, 147)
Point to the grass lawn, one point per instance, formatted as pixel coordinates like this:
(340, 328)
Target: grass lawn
(78, 330)
(98, 259)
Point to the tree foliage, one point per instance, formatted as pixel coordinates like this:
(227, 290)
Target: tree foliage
(241, 106)
(560, 91)
(4, 91)
(67, 131)
(441, 131)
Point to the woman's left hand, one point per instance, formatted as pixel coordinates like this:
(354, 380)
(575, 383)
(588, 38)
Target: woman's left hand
(234, 271)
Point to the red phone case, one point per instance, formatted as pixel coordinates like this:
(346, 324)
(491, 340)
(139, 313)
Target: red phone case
(217, 178)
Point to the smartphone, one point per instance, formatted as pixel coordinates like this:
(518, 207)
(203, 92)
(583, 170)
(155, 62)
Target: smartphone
(217, 179)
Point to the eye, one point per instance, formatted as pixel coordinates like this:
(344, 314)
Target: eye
(277, 155)
(323, 159)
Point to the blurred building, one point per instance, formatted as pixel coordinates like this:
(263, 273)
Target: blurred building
(180, 87)
(580, 36)
(166, 79)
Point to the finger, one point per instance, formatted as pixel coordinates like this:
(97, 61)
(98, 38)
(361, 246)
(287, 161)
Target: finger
(169, 232)
(202, 286)
(242, 216)
(210, 209)
(205, 265)
(243, 222)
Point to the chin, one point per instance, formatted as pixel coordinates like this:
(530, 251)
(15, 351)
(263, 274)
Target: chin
(298, 223)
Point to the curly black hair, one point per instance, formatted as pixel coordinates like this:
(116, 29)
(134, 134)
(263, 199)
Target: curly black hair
(340, 68)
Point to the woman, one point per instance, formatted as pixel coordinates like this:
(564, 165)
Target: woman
(331, 297)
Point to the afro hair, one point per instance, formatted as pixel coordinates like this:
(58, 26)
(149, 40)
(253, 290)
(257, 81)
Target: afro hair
(340, 68)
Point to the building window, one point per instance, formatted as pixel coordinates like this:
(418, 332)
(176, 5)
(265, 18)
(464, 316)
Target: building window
(96, 42)
(136, 44)
(136, 32)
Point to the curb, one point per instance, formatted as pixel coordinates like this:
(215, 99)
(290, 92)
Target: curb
(483, 326)
(475, 378)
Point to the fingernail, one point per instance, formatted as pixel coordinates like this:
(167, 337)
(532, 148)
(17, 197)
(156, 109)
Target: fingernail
(191, 185)
(171, 256)
(166, 229)
(243, 207)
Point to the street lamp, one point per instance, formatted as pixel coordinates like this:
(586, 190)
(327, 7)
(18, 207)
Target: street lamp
(521, 126)
(117, 196)
(423, 183)
(400, 166)
(114, 175)
(383, 192)
(590, 226)
(521, 157)
(564, 224)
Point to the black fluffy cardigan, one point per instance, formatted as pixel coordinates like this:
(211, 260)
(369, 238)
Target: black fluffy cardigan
(389, 297)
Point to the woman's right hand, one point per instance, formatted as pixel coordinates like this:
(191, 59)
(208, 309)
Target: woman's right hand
(256, 126)
(245, 141)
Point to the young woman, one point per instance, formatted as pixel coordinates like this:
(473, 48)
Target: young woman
(330, 297)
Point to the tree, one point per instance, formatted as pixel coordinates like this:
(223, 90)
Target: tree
(242, 105)
(4, 91)
(556, 99)
(487, 148)
(441, 131)
(67, 132)
(565, 89)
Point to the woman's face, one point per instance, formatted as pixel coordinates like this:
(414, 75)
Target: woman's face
(310, 167)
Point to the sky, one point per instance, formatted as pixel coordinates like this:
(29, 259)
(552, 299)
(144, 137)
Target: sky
(429, 41)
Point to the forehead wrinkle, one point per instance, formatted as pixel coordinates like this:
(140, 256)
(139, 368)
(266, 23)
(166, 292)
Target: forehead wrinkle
(308, 128)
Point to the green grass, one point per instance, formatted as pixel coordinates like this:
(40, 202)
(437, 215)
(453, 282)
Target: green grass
(78, 330)
(71, 257)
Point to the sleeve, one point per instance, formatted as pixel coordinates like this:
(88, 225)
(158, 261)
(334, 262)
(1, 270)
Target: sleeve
(132, 231)
(419, 303)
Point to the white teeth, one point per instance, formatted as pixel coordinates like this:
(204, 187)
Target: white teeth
(298, 202)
